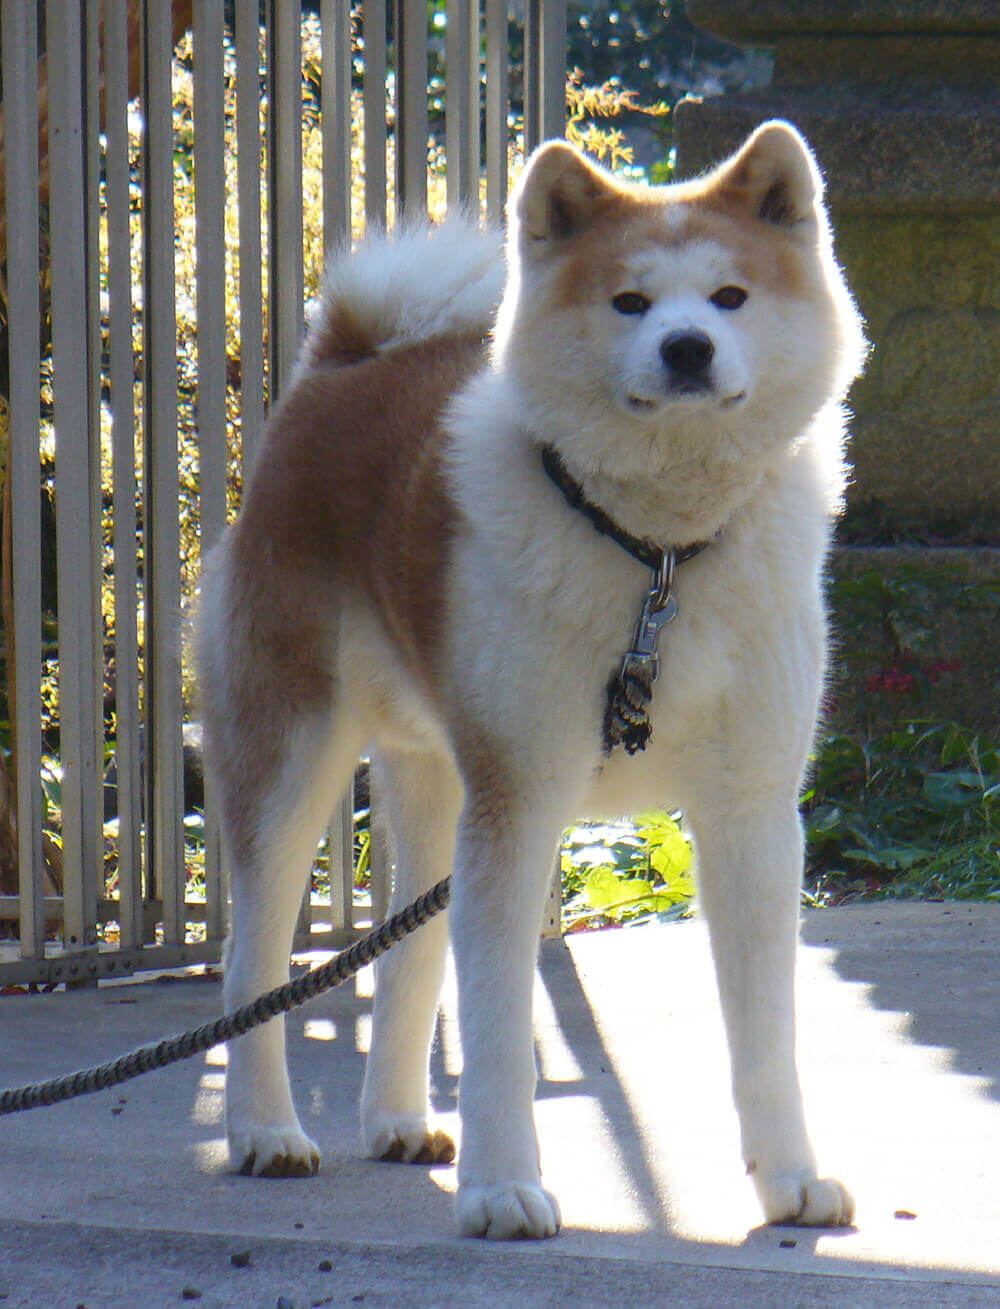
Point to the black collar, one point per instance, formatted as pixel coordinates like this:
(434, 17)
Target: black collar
(639, 547)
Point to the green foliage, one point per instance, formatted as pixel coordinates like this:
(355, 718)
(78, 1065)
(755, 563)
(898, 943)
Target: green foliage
(902, 604)
(873, 522)
(915, 812)
(625, 872)
(587, 106)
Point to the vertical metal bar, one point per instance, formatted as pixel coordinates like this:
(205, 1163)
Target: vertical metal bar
(374, 111)
(209, 176)
(411, 107)
(161, 501)
(544, 71)
(285, 292)
(210, 187)
(285, 285)
(552, 70)
(248, 186)
(335, 116)
(341, 834)
(335, 109)
(92, 201)
(19, 38)
(122, 375)
(462, 104)
(335, 19)
(497, 99)
(532, 75)
(303, 924)
(75, 451)
(552, 914)
(379, 852)
(347, 857)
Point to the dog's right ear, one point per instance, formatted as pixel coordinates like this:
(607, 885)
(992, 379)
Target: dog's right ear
(557, 196)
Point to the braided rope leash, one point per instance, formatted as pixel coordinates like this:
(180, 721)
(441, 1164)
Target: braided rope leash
(289, 996)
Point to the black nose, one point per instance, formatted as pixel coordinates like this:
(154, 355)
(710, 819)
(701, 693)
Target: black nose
(687, 354)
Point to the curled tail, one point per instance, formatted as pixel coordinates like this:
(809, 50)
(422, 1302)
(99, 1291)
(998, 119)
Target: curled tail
(404, 287)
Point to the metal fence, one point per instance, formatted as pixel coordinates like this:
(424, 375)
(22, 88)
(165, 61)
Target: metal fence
(97, 378)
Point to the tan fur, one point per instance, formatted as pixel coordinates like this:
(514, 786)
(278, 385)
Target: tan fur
(713, 210)
(347, 497)
(348, 492)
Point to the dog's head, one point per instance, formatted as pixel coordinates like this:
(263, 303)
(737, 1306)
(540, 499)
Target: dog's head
(707, 312)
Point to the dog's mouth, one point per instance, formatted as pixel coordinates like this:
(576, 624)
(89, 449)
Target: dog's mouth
(640, 402)
(645, 404)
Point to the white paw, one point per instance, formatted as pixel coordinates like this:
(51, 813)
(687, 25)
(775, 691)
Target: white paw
(407, 1138)
(279, 1150)
(806, 1201)
(506, 1211)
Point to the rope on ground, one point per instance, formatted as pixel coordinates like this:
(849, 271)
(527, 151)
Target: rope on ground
(337, 970)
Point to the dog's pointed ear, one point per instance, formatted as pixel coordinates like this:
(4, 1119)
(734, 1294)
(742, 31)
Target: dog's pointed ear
(557, 196)
(774, 175)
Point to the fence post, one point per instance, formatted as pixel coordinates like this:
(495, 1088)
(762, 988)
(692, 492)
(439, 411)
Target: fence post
(497, 94)
(210, 193)
(411, 107)
(161, 591)
(19, 38)
(284, 174)
(462, 105)
(374, 111)
(128, 771)
(544, 71)
(72, 250)
(247, 22)
(335, 115)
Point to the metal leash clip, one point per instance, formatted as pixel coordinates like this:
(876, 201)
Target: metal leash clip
(658, 608)
(626, 715)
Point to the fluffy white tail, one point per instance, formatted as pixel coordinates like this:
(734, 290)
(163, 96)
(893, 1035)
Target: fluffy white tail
(408, 286)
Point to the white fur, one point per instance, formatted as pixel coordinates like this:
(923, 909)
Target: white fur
(417, 283)
(538, 608)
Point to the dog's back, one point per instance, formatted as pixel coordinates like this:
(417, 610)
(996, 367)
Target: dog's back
(347, 492)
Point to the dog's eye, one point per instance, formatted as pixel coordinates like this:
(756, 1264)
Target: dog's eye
(728, 297)
(630, 302)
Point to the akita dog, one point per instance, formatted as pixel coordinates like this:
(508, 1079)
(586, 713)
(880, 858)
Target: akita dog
(416, 573)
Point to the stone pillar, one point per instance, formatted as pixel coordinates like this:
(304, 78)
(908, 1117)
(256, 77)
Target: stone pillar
(901, 101)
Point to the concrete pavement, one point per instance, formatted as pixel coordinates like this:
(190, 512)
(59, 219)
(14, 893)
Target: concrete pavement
(122, 1198)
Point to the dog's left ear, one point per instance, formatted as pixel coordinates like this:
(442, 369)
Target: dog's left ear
(557, 196)
(775, 175)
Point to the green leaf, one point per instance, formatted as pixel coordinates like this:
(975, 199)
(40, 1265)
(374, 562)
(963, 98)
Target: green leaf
(671, 858)
(946, 792)
(603, 887)
(956, 745)
(892, 857)
(52, 786)
(824, 821)
(615, 896)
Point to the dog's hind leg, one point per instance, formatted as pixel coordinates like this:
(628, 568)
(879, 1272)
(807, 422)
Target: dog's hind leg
(421, 795)
(272, 825)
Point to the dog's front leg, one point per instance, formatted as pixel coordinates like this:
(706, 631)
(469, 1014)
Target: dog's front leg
(501, 879)
(750, 868)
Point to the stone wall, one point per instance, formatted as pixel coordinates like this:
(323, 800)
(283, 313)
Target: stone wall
(901, 101)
